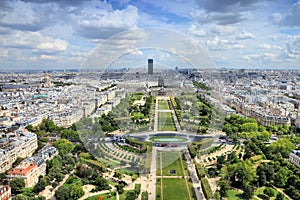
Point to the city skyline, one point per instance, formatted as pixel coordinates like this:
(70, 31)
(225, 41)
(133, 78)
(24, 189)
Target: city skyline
(50, 35)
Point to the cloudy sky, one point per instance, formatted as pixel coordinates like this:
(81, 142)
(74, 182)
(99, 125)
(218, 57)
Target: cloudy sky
(61, 34)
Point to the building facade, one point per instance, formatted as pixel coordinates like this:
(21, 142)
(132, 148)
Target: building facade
(294, 157)
(150, 66)
(5, 192)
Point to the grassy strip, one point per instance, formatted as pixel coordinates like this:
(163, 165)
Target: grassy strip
(206, 188)
(200, 171)
(175, 188)
(163, 105)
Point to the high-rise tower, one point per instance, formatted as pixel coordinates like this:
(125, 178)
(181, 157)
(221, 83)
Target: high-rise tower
(150, 66)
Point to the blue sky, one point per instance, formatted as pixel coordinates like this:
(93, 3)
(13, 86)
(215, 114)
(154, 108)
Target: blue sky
(61, 34)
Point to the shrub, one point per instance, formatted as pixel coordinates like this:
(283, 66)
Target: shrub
(269, 192)
(206, 188)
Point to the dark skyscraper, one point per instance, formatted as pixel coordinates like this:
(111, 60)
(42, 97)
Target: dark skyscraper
(150, 66)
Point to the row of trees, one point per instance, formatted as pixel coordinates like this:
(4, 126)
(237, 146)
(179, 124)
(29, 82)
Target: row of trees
(249, 170)
(237, 126)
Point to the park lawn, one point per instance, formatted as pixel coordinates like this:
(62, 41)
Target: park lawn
(75, 180)
(157, 138)
(106, 197)
(172, 161)
(158, 188)
(260, 190)
(166, 127)
(166, 122)
(137, 96)
(234, 195)
(191, 188)
(175, 189)
(163, 105)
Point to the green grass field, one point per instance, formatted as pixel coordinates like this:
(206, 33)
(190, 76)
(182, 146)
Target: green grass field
(166, 122)
(260, 190)
(171, 160)
(106, 197)
(175, 189)
(163, 105)
(234, 195)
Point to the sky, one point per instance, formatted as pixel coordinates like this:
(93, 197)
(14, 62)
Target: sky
(64, 34)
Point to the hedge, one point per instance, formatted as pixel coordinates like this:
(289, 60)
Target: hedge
(200, 171)
(206, 188)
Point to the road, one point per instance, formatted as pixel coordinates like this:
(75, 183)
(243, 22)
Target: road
(152, 184)
(156, 116)
(193, 175)
(177, 124)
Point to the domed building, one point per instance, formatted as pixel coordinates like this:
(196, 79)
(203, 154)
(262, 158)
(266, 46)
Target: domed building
(47, 81)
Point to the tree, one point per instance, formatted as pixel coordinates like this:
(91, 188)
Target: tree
(130, 195)
(30, 128)
(265, 136)
(64, 146)
(220, 161)
(70, 134)
(145, 195)
(241, 173)
(269, 192)
(17, 185)
(21, 197)
(281, 177)
(76, 191)
(40, 198)
(224, 187)
(120, 188)
(249, 127)
(101, 183)
(279, 196)
(283, 145)
(62, 193)
(248, 191)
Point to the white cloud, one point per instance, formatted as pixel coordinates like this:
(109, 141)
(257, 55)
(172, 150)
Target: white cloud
(195, 31)
(104, 24)
(244, 35)
(204, 17)
(290, 17)
(25, 16)
(4, 53)
(262, 56)
(293, 45)
(238, 46)
(35, 42)
(47, 57)
(221, 44)
(265, 46)
(223, 30)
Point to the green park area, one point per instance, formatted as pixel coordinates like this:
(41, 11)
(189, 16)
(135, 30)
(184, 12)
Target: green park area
(165, 138)
(102, 196)
(174, 188)
(166, 121)
(163, 105)
(171, 163)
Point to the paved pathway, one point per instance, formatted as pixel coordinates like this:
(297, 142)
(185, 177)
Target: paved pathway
(152, 184)
(156, 116)
(50, 194)
(193, 175)
(177, 124)
(90, 194)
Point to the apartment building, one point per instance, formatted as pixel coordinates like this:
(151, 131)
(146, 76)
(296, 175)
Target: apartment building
(294, 157)
(5, 192)
(33, 167)
(14, 145)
